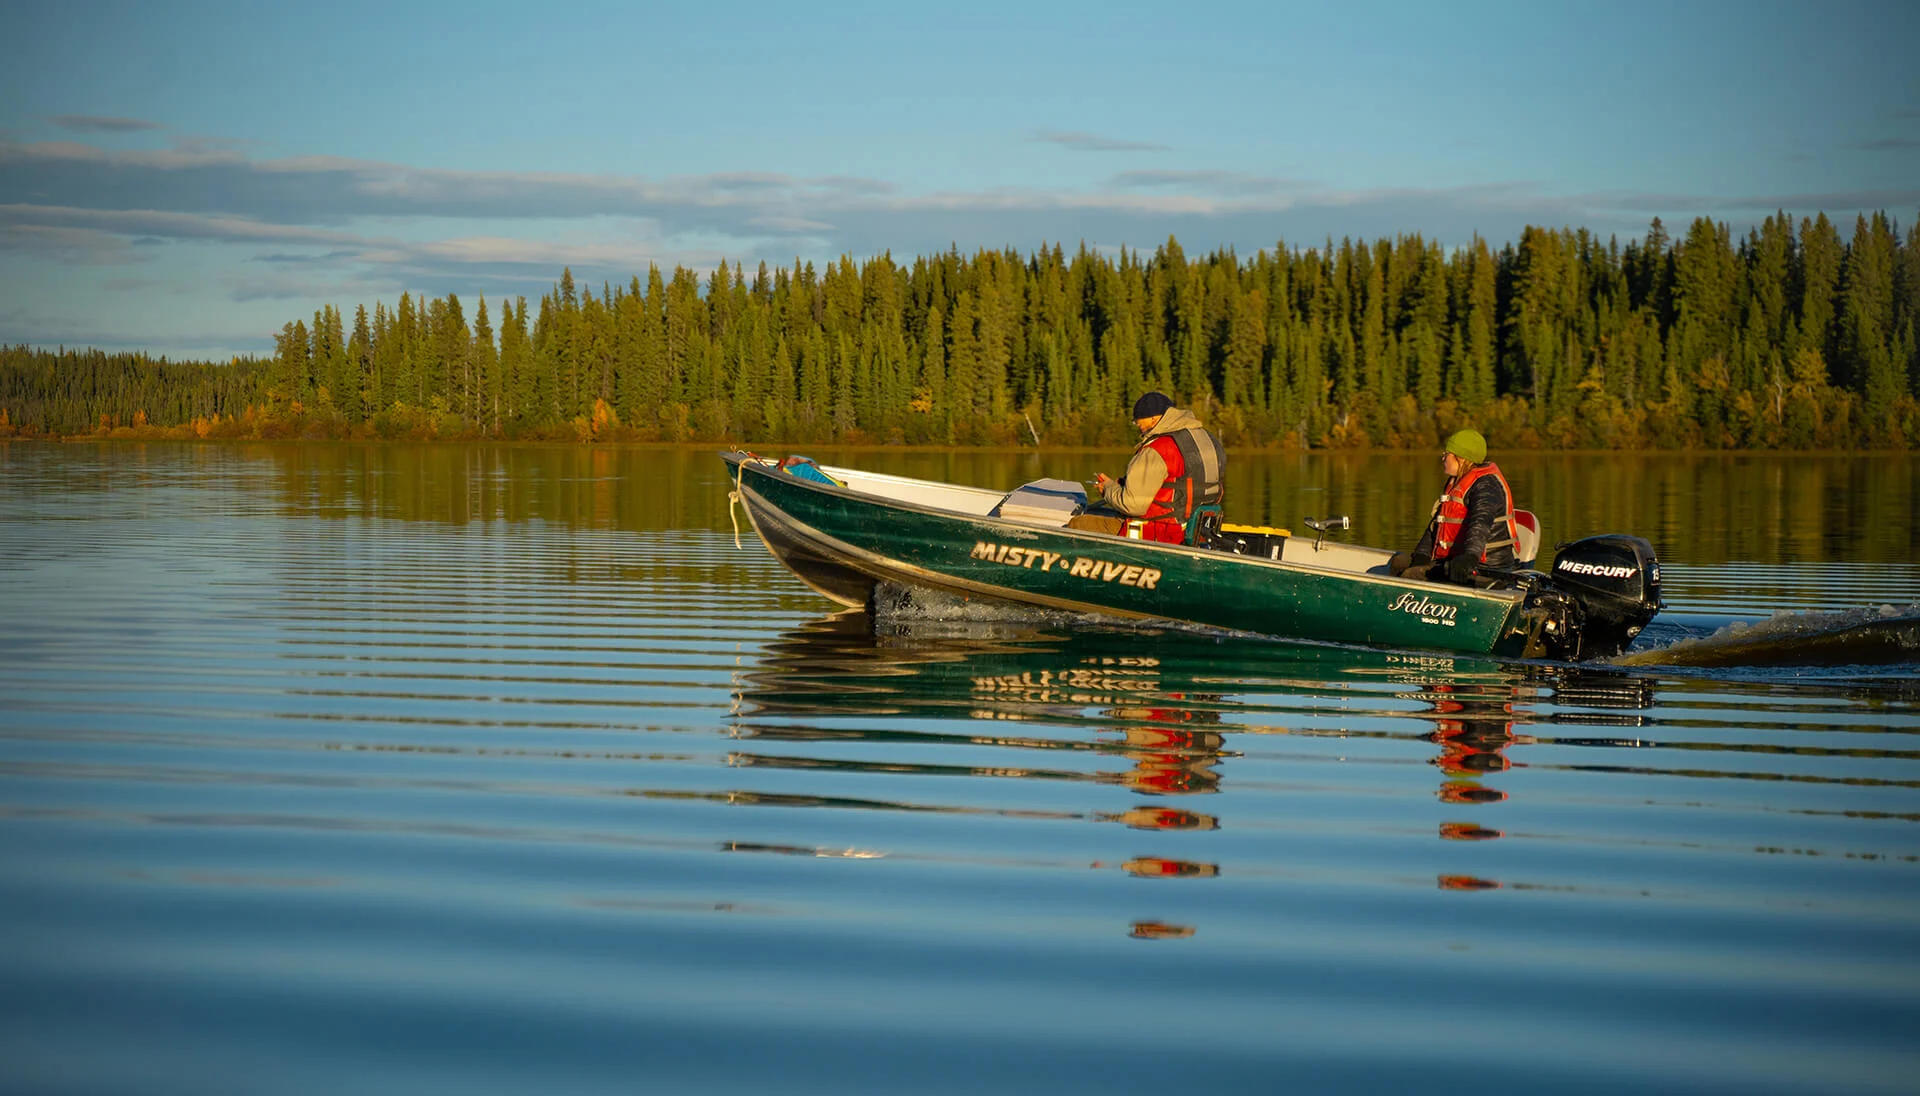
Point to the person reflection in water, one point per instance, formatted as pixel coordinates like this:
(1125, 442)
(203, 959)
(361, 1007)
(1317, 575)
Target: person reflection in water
(1473, 733)
(1171, 754)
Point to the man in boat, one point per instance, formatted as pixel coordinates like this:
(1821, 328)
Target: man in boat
(1176, 479)
(1473, 523)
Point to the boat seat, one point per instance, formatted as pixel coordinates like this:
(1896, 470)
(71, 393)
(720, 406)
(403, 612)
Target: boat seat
(1527, 547)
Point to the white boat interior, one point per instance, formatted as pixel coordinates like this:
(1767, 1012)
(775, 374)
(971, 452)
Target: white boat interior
(977, 501)
(1356, 558)
(982, 502)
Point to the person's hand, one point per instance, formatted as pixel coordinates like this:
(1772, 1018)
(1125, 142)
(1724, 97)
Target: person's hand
(1100, 480)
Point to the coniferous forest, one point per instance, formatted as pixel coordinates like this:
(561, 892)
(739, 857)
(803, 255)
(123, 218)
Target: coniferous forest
(1792, 336)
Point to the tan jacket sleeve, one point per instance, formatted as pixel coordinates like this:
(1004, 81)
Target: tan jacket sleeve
(1146, 474)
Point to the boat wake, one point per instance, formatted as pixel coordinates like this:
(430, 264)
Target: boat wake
(1885, 635)
(935, 613)
(1882, 636)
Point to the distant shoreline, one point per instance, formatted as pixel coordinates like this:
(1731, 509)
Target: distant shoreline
(172, 435)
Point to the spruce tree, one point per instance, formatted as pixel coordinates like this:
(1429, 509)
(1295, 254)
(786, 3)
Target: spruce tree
(485, 359)
(1866, 328)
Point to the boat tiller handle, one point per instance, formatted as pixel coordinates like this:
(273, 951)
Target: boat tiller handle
(1328, 525)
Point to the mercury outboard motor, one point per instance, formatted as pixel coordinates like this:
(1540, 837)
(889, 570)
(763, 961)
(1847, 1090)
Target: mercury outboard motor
(1615, 582)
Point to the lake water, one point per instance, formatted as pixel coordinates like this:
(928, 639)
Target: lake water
(334, 768)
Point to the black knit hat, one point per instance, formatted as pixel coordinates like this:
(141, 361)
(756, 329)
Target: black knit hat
(1151, 406)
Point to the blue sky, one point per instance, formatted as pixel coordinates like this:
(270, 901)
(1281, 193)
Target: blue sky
(185, 178)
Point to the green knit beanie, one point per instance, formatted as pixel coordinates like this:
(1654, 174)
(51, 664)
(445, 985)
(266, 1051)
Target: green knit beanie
(1468, 445)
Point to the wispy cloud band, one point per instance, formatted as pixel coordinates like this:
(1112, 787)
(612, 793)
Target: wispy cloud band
(93, 123)
(367, 226)
(1093, 142)
(211, 192)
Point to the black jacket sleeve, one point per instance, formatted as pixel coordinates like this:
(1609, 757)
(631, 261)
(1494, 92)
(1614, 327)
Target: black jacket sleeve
(1485, 503)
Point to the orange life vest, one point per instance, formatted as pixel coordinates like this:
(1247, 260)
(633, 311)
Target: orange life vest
(1195, 460)
(1450, 513)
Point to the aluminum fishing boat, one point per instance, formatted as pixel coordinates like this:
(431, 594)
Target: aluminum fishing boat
(844, 532)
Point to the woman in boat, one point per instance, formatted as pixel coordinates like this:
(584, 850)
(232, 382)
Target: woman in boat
(1176, 479)
(1473, 522)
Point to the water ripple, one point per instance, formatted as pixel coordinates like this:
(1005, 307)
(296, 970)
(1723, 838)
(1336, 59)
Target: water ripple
(303, 788)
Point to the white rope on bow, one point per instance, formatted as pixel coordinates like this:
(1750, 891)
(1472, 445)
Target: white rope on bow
(733, 498)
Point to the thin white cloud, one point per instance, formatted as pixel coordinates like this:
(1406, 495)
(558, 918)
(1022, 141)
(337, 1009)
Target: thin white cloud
(1092, 142)
(546, 254)
(179, 157)
(310, 223)
(66, 244)
(1831, 201)
(93, 123)
(1029, 200)
(786, 225)
(213, 192)
(1227, 184)
(167, 225)
(294, 259)
(200, 142)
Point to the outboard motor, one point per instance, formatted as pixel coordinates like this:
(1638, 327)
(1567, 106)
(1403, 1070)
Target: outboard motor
(1615, 581)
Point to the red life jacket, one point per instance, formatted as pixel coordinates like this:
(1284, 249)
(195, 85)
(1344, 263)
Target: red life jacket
(1173, 505)
(1450, 513)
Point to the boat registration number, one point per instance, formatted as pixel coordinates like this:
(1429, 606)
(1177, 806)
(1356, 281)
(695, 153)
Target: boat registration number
(1097, 570)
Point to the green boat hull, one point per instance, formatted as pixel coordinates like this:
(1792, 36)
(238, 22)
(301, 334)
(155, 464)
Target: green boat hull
(842, 542)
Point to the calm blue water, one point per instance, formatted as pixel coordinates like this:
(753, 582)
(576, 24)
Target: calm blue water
(334, 769)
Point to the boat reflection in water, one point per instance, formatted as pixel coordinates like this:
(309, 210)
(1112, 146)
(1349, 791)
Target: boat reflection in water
(1163, 715)
(1114, 699)
(1162, 705)
(1089, 708)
